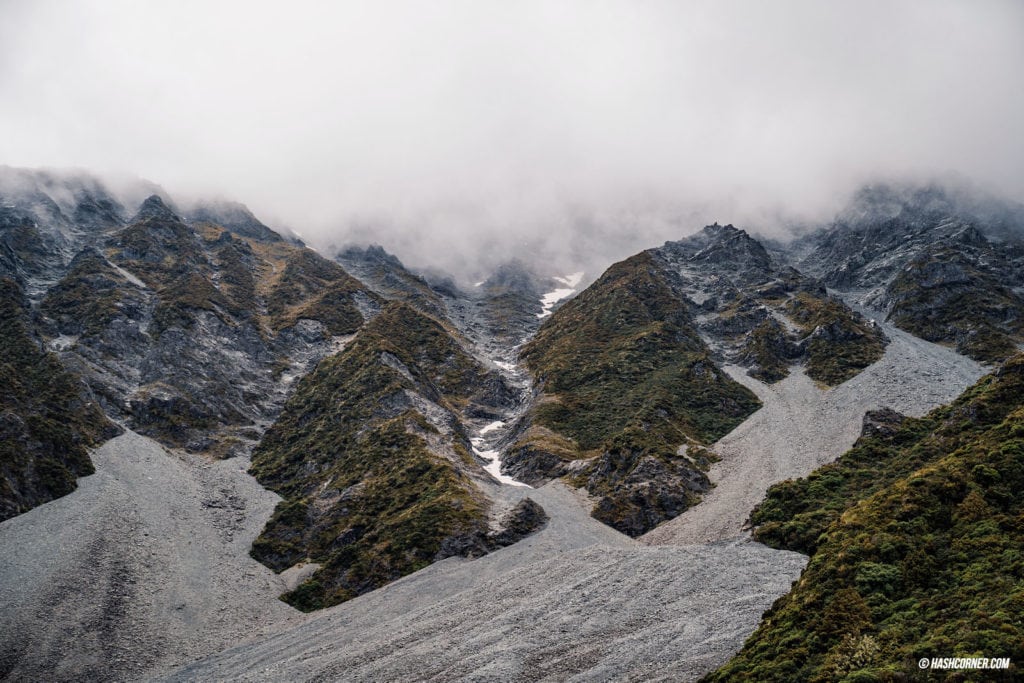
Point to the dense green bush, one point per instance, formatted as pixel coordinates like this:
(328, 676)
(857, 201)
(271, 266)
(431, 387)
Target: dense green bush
(917, 542)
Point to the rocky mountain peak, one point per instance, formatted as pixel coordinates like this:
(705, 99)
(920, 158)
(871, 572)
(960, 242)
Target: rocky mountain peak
(720, 243)
(371, 254)
(234, 216)
(154, 207)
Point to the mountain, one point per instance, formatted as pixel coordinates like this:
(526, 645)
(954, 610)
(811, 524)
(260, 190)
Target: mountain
(197, 332)
(915, 542)
(630, 388)
(184, 331)
(375, 464)
(400, 419)
(941, 264)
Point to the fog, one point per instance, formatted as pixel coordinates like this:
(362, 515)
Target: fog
(458, 134)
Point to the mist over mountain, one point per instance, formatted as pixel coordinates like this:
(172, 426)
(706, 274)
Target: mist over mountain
(458, 135)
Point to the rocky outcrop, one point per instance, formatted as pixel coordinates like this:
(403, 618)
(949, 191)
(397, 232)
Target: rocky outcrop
(754, 311)
(882, 424)
(48, 419)
(942, 265)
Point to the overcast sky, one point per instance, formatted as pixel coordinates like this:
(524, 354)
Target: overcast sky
(497, 124)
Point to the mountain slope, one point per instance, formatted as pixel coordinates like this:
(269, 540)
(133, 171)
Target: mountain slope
(629, 378)
(186, 331)
(915, 538)
(47, 418)
(374, 463)
(764, 315)
(183, 331)
(625, 381)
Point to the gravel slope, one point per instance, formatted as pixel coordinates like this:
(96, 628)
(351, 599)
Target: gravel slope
(142, 568)
(802, 427)
(577, 601)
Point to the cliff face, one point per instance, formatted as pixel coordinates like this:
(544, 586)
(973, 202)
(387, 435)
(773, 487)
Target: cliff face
(943, 266)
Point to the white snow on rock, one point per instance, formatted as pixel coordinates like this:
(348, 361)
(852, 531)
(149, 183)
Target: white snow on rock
(63, 342)
(549, 300)
(492, 456)
(507, 367)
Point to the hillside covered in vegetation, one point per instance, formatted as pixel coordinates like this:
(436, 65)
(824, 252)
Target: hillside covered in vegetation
(625, 381)
(917, 547)
(373, 463)
(47, 419)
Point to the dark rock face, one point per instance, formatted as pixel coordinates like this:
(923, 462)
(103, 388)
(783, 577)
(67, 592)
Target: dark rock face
(155, 208)
(756, 312)
(965, 296)
(942, 266)
(534, 465)
(525, 518)
(643, 491)
(883, 423)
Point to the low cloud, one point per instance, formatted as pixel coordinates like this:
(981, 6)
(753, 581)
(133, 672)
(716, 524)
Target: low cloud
(458, 134)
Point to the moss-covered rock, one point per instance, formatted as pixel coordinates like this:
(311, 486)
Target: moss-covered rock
(314, 288)
(840, 342)
(47, 418)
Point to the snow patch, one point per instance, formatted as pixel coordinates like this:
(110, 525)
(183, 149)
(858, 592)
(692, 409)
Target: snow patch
(549, 300)
(63, 342)
(572, 280)
(497, 424)
(493, 457)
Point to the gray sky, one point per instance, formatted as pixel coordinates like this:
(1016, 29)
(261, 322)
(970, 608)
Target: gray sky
(484, 126)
